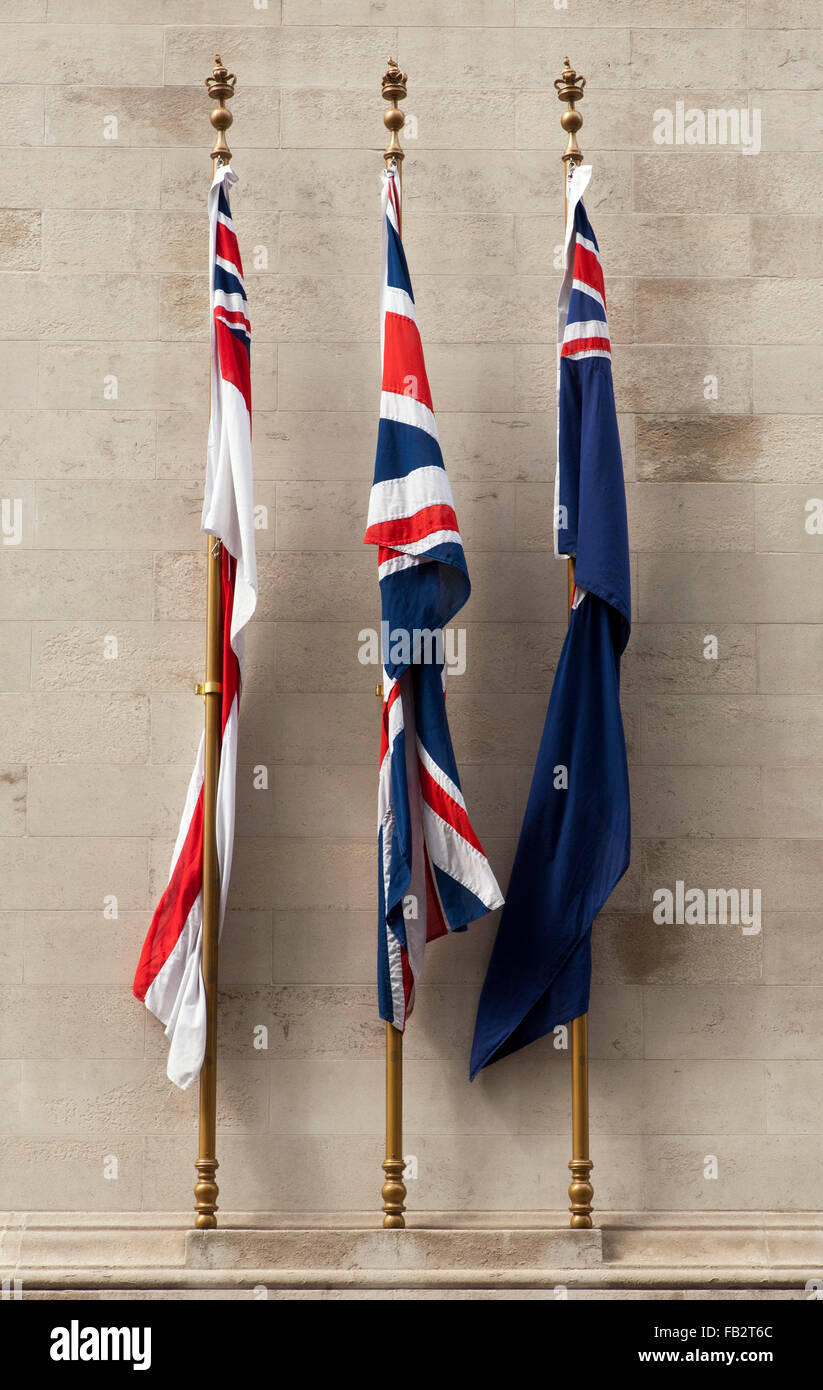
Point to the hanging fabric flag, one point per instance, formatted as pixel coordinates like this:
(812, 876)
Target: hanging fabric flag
(433, 875)
(169, 977)
(575, 841)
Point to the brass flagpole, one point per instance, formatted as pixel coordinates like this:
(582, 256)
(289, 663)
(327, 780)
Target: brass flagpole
(220, 88)
(569, 88)
(394, 1189)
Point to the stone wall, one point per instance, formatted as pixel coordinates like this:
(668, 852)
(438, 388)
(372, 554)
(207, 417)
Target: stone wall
(705, 1040)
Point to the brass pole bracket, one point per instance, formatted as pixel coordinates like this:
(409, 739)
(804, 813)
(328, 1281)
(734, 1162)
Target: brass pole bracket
(209, 688)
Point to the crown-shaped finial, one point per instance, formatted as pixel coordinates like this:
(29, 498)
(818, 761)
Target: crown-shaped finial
(394, 90)
(222, 82)
(570, 84)
(394, 78)
(220, 87)
(569, 87)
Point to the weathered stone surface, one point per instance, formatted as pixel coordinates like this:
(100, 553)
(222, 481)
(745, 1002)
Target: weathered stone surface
(704, 1040)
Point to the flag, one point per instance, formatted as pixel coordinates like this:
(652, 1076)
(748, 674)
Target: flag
(433, 875)
(575, 839)
(169, 977)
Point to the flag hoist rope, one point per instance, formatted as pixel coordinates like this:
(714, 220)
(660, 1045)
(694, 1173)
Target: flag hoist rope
(220, 87)
(569, 88)
(393, 1191)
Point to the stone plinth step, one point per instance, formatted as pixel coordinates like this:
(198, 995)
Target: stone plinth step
(394, 1250)
(106, 1247)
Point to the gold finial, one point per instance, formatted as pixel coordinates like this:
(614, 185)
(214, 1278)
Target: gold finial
(570, 89)
(221, 86)
(394, 90)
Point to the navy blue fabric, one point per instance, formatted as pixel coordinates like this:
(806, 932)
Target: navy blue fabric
(575, 842)
(422, 599)
(591, 485)
(223, 202)
(397, 269)
(227, 282)
(402, 448)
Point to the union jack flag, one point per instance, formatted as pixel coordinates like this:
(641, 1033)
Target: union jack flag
(433, 875)
(586, 331)
(169, 977)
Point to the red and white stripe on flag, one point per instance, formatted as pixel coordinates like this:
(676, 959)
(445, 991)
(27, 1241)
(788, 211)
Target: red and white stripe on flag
(169, 975)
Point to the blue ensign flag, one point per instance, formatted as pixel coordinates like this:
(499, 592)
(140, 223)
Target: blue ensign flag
(575, 841)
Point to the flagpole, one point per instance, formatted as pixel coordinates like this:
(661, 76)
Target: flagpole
(393, 1191)
(220, 88)
(569, 88)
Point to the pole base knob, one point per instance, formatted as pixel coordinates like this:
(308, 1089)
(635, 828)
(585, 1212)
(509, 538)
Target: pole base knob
(393, 1193)
(581, 1194)
(205, 1192)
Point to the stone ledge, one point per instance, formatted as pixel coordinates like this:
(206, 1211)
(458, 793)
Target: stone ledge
(417, 1295)
(288, 1221)
(183, 1220)
(667, 1254)
(546, 1279)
